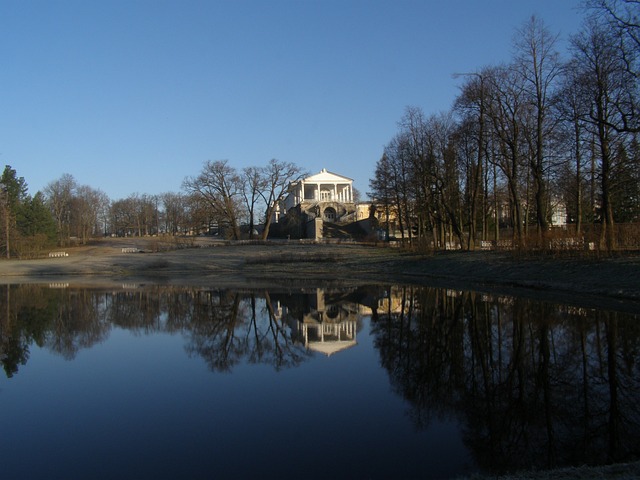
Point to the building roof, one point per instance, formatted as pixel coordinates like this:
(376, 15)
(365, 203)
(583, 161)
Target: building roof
(331, 347)
(326, 176)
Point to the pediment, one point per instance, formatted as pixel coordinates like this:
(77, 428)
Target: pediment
(327, 177)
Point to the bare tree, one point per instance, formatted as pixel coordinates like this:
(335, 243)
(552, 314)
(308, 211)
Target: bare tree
(85, 207)
(253, 182)
(277, 176)
(472, 104)
(623, 16)
(175, 212)
(571, 111)
(123, 217)
(399, 175)
(148, 213)
(507, 113)
(221, 188)
(441, 134)
(59, 194)
(608, 90)
(538, 62)
(104, 204)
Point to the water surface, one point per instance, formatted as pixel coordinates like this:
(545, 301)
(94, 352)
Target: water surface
(374, 382)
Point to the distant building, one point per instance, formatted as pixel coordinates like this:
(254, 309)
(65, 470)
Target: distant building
(325, 195)
(559, 214)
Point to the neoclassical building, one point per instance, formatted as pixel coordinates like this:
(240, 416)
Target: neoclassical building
(325, 195)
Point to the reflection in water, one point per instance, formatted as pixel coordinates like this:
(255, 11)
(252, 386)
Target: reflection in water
(534, 385)
(319, 320)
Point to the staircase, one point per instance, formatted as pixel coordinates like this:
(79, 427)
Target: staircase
(350, 231)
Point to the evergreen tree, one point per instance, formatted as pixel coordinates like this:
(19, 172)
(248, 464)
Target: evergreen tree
(35, 218)
(26, 226)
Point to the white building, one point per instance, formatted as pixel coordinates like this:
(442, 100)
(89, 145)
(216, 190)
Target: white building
(325, 195)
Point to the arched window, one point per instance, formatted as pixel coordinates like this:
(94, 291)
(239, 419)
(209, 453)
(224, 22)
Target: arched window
(329, 214)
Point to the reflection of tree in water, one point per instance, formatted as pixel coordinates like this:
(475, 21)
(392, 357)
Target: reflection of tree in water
(269, 340)
(427, 377)
(536, 385)
(77, 322)
(223, 327)
(14, 340)
(61, 320)
(137, 311)
(212, 333)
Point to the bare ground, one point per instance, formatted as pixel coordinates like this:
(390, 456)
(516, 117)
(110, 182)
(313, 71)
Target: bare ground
(612, 281)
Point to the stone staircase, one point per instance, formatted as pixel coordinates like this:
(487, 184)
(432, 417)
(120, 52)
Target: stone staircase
(349, 231)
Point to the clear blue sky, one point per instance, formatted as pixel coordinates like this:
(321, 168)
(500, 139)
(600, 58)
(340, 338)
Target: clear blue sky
(134, 95)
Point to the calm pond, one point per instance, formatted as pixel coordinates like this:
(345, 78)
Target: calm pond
(145, 381)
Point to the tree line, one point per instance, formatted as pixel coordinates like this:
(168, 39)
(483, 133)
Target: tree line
(524, 139)
(220, 199)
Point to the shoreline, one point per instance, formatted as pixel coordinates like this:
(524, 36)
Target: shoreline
(608, 282)
(605, 282)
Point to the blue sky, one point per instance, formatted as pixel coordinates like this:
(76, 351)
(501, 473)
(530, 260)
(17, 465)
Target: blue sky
(132, 96)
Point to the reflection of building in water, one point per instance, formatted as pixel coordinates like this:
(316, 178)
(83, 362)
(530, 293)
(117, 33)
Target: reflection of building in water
(328, 338)
(384, 301)
(320, 324)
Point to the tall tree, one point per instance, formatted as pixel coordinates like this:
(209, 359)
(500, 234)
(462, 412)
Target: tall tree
(399, 175)
(59, 194)
(610, 91)
(381, 192)
(472, 104)
(572, 111)
(16, 187)
(538, 62)
(441, 137)
(175, 211)
(276, 178)
(507, 113)
(13, 192)
(26, 223)
(220, 186)
(85, 206)
(253, 182)
(623, 16)
(36, 219)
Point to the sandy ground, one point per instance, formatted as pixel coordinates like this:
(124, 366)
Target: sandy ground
(612, 282)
